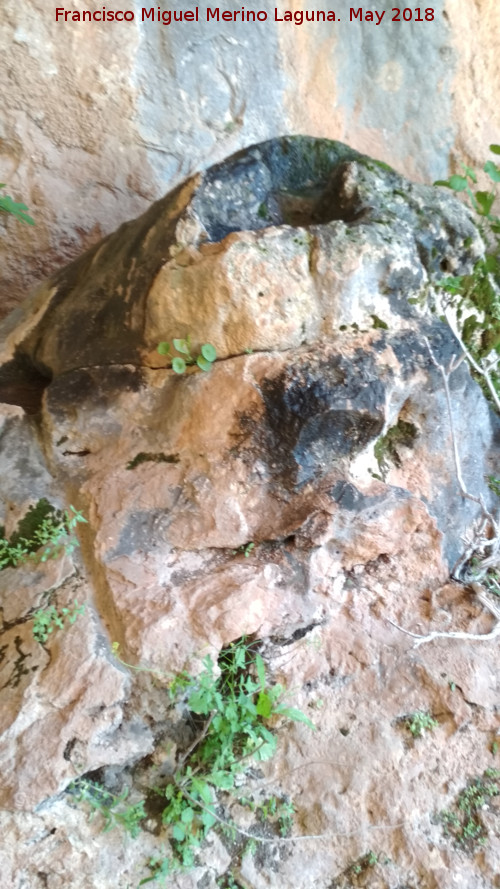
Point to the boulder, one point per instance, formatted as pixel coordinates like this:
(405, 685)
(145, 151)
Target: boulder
(320, 436)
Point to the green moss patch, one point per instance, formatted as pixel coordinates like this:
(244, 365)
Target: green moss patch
(387, 447)
(144, 457)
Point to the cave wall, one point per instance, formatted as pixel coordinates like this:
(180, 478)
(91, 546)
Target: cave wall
(99, 119)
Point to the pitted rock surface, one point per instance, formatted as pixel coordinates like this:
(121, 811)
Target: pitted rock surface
(321, 436)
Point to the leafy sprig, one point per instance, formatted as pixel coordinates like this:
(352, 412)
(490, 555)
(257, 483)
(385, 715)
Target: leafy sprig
(8, 205)
(179, 364)
(235, 708)
(111, 807)
(52, 535)
(46, 620)
(476, 297)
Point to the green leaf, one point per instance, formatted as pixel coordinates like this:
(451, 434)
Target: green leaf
(469, 172)
(458, 183)
(485, 200)
(250, 686)
(187, 815)
(17, 210)
(200, 786)
(203, 364)
(443, 182)
(452, 284)
(296, 715)
(239, 654)
(491, 264)
(378, 323)
(198, 703)
(264, 705)
(163, 348)
(178, 365)
(492, 170)
(266, 751)
(495, 149)
(224, 780)
(261, 671)
(469, 326)
(181, 346)
(178, 832)
(208, 352)
(267, 735)
(208, 664)
(208, 820)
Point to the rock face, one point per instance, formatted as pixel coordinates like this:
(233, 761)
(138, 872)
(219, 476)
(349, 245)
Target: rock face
(100, 118)
(320, 436)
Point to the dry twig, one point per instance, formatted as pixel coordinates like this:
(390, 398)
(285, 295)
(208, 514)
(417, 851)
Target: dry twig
(475, 637)
(486, 534)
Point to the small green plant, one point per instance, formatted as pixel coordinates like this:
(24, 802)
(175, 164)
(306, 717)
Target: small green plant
(7, 205)
(286, 812)
(159, 868)
(233, 705)
(228, 881)
(481, 201)
(464, 822)
(386, 449)
(489, 578)
(273, 810)
(179, 364)
(358, 872)
(494, 484)
(46, 620)
(378, 324)
(111, 807)
(476, 297)
(419, 722)
(12, 554)
(44, 533)
(364, 863)
(245, 548)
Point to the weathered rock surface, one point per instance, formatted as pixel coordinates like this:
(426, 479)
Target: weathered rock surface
(100, 118)
(321, 436)
(319, 237)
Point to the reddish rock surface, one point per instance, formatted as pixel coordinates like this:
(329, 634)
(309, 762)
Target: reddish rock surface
(329, 450)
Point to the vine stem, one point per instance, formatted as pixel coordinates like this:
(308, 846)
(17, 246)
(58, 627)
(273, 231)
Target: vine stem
(251, 836)
(197, 740)
(493, 542)
(458, 470)
(483, 371)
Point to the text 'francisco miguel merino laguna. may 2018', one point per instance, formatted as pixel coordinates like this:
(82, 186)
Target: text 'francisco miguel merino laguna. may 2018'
(243, 14)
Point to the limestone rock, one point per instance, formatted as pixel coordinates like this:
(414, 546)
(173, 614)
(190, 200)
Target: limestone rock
(278, 247)
(321, 437)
